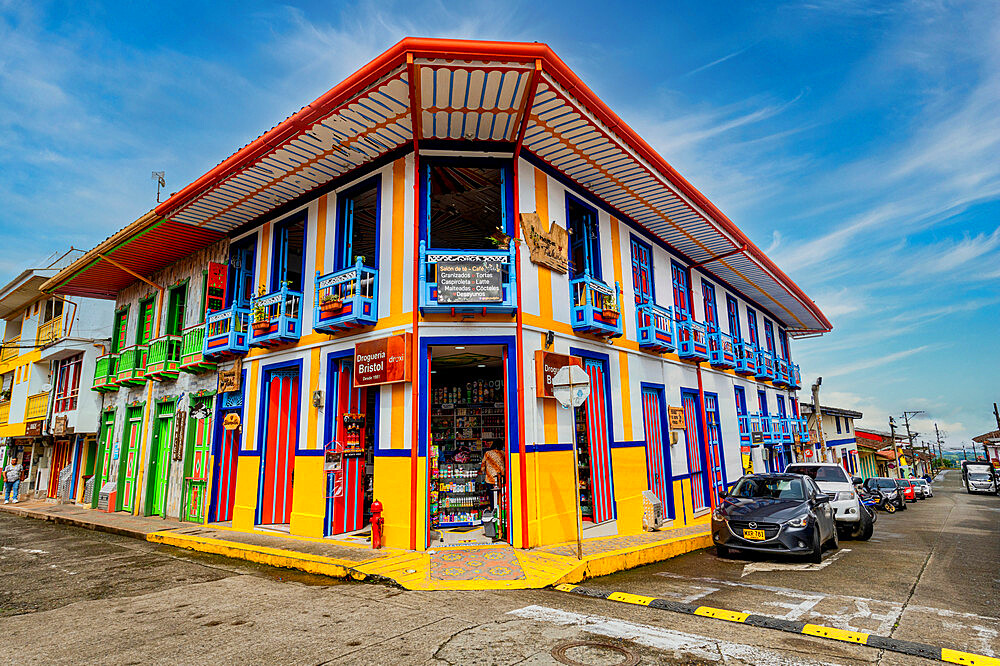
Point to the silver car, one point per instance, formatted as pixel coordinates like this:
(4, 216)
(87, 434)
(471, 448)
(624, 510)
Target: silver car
(924, 487)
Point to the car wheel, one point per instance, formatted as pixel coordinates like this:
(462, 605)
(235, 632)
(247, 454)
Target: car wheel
(867, 527)
(721, 551)
(816, 556)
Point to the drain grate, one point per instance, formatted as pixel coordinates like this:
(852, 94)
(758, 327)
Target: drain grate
(559, 652)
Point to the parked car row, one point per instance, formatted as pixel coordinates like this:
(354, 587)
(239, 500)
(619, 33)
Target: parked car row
(806, 508)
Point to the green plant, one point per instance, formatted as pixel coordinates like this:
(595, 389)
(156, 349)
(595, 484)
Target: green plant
(609, 303)
(258, 313)
(499, 239)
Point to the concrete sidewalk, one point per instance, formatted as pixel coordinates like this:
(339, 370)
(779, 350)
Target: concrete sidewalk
(456, 568)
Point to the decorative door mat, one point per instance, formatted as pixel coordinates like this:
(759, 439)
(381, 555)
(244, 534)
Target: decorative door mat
(491, 563)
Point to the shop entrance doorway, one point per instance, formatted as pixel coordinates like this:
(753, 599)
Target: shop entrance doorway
(351, 427)
(159, 460)
(128, 463)
(468, 451)
(61, 456)
(228, 440)
(597, 504)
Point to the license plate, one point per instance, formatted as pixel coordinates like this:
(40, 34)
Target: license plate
(756, 535)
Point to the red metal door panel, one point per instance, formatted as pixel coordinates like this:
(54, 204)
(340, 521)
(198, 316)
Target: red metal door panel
(693, 438)
(225, 474)
(279, 447)
(345, 489)
(655, 467)
(60, 458)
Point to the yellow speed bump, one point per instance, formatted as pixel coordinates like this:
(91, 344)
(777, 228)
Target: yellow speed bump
(566, 587)
(627, 598)
(721, 614)
(836, 634)
(956, 657)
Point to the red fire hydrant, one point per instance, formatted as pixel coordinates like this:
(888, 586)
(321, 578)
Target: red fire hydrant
(378, 522)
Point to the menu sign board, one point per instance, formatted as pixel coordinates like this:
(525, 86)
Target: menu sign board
(676, 415)
(547, 364)
(382, 361)
(477, 280)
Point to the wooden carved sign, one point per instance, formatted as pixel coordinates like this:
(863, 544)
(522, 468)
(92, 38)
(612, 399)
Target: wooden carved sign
(547, 244)
(677, 421)
(231, 421)
(180, 429)
(60, 425)
(229, 380)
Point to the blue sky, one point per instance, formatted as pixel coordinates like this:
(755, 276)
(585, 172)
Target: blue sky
(855, 142)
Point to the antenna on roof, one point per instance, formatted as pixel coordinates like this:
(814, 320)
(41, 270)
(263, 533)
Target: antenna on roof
(158, 176)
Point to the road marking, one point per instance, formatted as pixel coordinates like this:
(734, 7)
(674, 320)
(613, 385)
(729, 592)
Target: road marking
(699, 647)
(832, 633)
(760, 567)
(29, 551)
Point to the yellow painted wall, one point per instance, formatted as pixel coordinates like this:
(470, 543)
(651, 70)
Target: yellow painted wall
(245, 503)
(392, 489)
(629, 468)
(556, 497)
(308, 497)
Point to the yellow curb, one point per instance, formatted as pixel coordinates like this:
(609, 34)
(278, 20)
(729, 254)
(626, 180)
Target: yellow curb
(967, 658)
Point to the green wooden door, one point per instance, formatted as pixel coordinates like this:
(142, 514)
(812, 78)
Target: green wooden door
(128, 462)
(196, 463)
(121, 322)
(175, 310)
(159, 460)
(105, 448)
(145, 333)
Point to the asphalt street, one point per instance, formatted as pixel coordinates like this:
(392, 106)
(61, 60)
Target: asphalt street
(69, 595)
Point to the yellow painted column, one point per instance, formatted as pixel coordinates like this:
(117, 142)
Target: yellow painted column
(544, 274)
(396, 277)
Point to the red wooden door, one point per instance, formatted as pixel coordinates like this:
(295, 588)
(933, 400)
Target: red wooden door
(60, 458)
(278, 457)
(656, 469)
(345, 491)
(599, 445)
(693, 437)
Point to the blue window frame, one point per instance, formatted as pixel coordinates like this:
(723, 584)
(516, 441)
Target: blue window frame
(584, 239)
(837, 420)
(242, 256)
(642, 271)
(682, 294)
(781, 407)
(288, 261)
(769, 335)
(752, 326)
(741, 401)
(711, 309)
(783, 339)
(465, 201)
(762, 402)
(359, 213)
(733, 310)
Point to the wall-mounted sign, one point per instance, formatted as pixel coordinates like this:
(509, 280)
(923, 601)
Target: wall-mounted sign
(229, 380)
(231, 421)
(33, 429)
(477, 280)
(571, 386)
(215, 297)
(59, 425)
(547, 364)
(676, 416)
(383, 361)
(547, 245)
(180, 430)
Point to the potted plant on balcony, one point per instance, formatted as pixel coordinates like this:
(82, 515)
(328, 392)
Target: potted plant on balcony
(500, 240)
(331, 303)
(610, 310)
(260, 320)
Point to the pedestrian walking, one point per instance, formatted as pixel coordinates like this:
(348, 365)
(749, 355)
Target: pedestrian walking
(12, 479)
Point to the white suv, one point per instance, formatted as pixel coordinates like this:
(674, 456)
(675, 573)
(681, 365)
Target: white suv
(851, 515)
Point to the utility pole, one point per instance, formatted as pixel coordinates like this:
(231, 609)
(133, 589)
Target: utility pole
(937, 436)
(996, 414)
(965, 455)
(895, 449)
(909, 435)
(818, 412)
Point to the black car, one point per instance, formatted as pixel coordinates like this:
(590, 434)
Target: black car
(777, 513)
(889, 488)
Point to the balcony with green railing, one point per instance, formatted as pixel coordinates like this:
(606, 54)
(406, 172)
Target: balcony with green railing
(106, 374)
(193, 350)
(132, 366)
(164, 358)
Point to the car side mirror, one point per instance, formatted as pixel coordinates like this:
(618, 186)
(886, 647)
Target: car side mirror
(823, 498)
(723, 493)
(857, 480)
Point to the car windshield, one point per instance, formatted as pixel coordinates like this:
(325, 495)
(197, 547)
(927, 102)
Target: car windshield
(821, 472)
(885, 483)
(979, 476)
(902, 483)
(769, 488)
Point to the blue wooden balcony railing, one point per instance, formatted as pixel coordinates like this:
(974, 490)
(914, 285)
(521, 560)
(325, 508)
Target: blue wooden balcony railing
(596, 307)
(692, 338)
(276, 318)
(780, 372)
(227, 332)
(346, 299)
(746, 358)
(721, 349)
(799, 426)
(467, 281)
(765, 364)
(783, 429)
(655, 327)
(794, 377)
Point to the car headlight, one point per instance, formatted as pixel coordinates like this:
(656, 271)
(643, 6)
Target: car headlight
(841, 496)
(891, 494)
(799, 521)
(717, 514)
